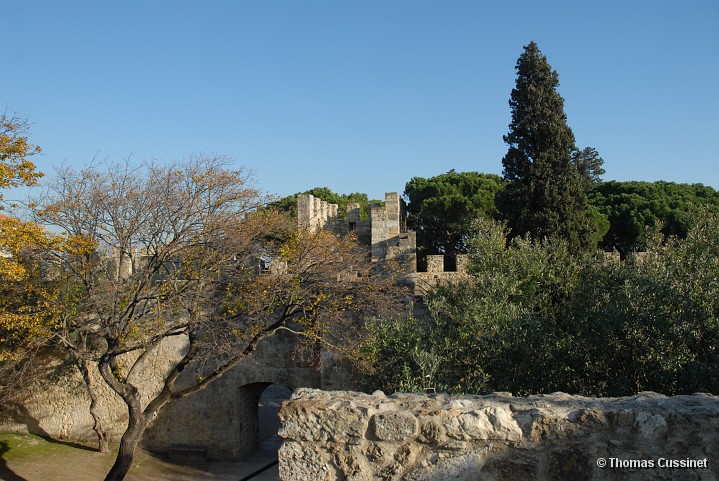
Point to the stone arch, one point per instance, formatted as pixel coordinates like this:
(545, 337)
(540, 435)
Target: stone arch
(257, 422)
(221, 421)
(214, 419)
(248, 428)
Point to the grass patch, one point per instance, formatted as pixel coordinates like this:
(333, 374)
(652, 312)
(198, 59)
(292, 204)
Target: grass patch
(17, 446)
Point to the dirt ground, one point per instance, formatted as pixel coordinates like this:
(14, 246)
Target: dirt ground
(26, 457)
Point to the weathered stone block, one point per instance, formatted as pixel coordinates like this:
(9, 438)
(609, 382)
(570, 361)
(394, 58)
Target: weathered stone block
(433, 431)
(394, 426)
(484, 424)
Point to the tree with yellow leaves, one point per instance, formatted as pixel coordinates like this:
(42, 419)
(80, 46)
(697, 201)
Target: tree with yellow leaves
(16, 170)
(27, 314)
(21, 303)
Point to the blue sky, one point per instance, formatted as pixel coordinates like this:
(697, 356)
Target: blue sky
(360, 96)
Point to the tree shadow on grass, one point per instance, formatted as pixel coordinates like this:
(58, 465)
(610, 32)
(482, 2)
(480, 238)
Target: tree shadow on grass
(6, 473)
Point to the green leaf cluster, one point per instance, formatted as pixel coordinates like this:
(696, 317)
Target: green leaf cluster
(537, 318)
(441, 209)
(635, 208)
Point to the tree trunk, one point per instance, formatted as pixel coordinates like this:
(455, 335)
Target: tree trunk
(135, 428)
(103, 437)
(137, 421)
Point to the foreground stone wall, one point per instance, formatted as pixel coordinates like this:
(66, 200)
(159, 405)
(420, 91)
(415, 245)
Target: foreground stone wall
(351, 436)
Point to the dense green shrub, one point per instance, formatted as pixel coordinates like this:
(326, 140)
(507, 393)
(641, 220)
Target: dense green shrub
(537, 318)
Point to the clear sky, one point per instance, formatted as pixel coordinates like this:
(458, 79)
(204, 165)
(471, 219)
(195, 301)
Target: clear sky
(360, 95)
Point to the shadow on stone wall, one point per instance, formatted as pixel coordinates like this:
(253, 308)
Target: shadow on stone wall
(21, 414)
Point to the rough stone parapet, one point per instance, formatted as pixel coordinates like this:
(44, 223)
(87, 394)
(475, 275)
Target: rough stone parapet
(385, 231)
(425, 282)
(387, 236)
(462, 263)
(351, 436)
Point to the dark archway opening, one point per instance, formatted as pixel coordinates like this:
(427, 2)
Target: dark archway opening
(258, 404)
(268, 407)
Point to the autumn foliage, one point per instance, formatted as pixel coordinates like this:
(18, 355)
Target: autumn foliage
(26, 307)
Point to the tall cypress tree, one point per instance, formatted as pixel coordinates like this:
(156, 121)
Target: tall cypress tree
(545, 196)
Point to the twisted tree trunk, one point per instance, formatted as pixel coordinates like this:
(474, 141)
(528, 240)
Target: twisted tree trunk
(139, 419)
(136, 424)
(103, 437)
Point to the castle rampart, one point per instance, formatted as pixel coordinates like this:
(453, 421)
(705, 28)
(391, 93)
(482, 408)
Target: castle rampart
(387, 238)
(314, 213)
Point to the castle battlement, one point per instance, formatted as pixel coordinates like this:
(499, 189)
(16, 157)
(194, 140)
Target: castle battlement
(385, 234)
(314, 213)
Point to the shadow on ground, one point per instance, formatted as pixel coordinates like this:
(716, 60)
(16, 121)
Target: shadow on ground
(6, 473)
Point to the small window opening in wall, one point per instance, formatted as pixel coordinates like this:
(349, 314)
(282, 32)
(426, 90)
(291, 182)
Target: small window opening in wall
(352, 226)
(265, 261)
(422, 264)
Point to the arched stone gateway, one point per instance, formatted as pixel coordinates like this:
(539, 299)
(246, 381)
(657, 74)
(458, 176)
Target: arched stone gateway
(221, 422)
(268, 413)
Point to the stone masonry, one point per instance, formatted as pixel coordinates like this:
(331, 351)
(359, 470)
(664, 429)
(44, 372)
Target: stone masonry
(220, 422)
(386, 235)
(314, 213)
(332, 436)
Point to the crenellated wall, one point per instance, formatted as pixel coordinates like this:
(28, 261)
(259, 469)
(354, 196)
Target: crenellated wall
(350, 436)
(385, 232)
(387, 237)
(314, 213)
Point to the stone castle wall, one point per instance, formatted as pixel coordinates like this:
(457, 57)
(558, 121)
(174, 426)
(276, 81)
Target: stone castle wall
(436, 275)
(220, 420)
(331, 436)
(314, 213)
(386, 236)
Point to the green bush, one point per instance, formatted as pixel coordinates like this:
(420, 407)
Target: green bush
(537, 318)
